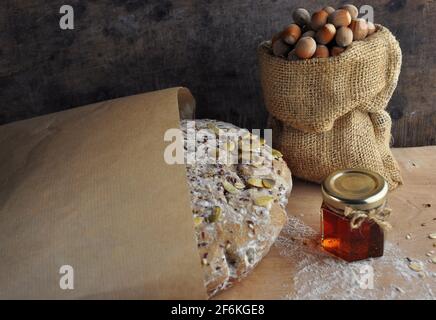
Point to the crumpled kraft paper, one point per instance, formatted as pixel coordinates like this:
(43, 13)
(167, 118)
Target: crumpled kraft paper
(89, 188)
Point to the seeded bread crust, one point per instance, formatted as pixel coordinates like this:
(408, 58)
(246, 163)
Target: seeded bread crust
(235, 222)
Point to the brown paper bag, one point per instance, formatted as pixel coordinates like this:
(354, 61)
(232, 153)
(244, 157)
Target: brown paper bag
(89, 188)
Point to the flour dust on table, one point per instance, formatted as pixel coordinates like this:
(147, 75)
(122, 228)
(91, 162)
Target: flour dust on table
(321, 276)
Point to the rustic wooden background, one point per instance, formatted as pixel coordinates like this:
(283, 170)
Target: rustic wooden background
(123, 47)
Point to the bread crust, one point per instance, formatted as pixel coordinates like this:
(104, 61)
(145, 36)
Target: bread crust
(236, 229)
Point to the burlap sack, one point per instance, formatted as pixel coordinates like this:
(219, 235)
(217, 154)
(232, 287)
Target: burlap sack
(328, 114)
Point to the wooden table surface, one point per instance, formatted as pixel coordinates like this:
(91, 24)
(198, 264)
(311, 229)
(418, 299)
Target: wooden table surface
(414, 214)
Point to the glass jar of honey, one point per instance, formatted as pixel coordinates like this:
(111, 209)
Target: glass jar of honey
(354, 214)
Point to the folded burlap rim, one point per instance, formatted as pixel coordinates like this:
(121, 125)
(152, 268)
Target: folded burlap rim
(312, 94)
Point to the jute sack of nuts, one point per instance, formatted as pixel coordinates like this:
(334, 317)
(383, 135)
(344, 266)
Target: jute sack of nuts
(329, 114)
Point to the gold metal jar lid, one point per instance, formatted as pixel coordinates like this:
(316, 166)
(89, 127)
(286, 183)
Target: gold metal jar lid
(356, 188)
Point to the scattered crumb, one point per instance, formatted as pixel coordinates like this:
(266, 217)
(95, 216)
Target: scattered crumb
(320, 276)
(416, 266)
(400, 290)
(432, 235)
(427, 205)
(423, 224)
(408, 236)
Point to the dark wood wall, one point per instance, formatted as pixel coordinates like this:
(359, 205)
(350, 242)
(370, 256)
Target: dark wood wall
(124, 47)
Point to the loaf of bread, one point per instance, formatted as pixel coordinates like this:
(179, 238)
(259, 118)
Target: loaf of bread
(238, 206)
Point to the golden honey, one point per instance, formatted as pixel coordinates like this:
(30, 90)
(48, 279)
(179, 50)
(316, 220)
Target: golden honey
(353, 214)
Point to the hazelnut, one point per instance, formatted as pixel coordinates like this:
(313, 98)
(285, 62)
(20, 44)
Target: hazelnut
(336, 51)
(344, 37)
(319, 19)
(301, 17)
(291, 34)
(329, 10)
(359, 28)
(326, 34)
(280, 48)
(292, 56)
(309, 33)
(305, 48)
(321, 52)
(340, 18)
(352, 9)
(371, 28)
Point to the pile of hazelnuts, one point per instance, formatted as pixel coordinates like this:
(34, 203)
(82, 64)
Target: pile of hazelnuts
(327, 33)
